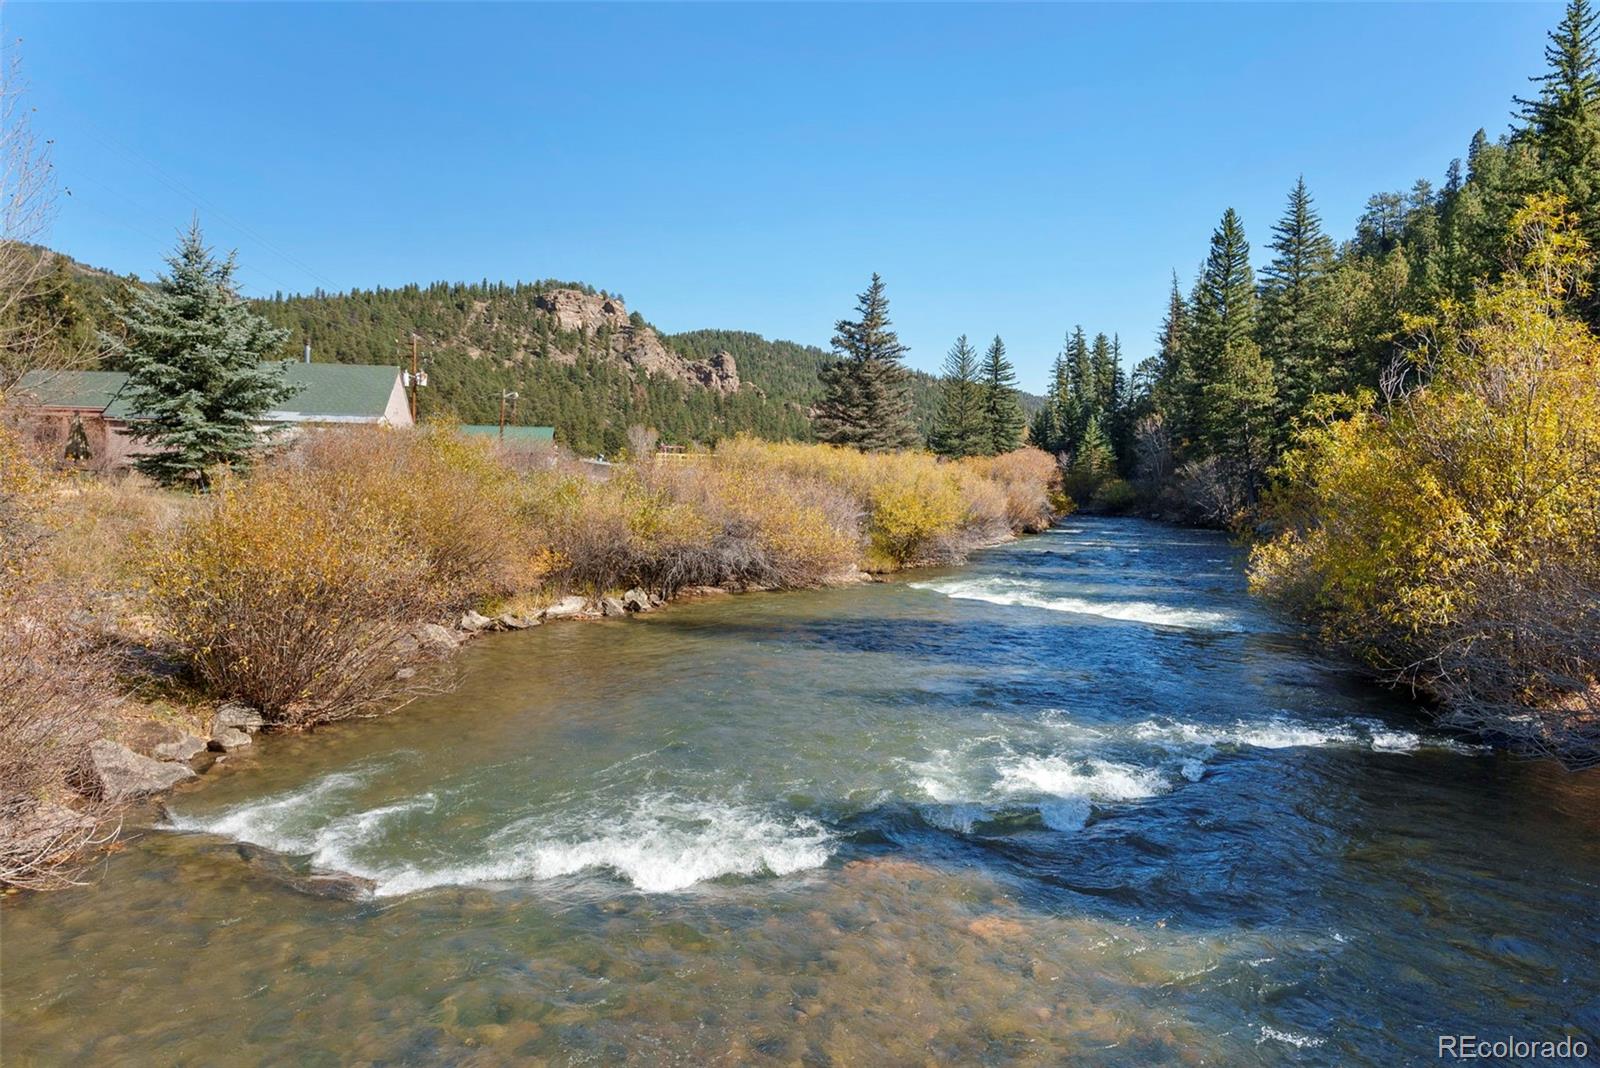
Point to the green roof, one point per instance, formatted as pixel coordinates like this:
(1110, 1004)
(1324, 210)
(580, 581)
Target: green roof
(327, 392)
(332, 391)
(72, 389)
(513, 433)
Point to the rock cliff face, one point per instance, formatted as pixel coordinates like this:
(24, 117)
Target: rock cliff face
(635, 344)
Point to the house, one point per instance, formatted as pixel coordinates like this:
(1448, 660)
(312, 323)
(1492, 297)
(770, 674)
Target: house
(84, 416)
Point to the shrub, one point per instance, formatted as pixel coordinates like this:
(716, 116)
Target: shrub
(53, 683)
(1114, 496)
(1030, 479)
(289, 601)
(447, 497)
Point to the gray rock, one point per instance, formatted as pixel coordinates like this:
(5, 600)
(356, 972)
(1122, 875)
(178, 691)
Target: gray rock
(636, 600)
(610, 606)
(406, 673)
(185, 747)
(238, 717)
(512, 621)
(570, 608)
(472, 622)
(117, 773)
(227, 739)
(436, 638)
(339, 885)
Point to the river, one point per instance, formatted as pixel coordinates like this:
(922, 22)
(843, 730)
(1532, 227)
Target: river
(1081, 801)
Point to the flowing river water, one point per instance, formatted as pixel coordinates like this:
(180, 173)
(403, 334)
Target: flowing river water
(1080, 802)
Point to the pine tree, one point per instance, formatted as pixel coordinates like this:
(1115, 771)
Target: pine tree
(1171, 385)
(961, 427)
(1235, 399)
(1002, 415)
(866, 399)
(1563, 121)
(194, 354)
(1293, 309)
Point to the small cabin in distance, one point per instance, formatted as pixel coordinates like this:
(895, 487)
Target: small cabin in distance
(85, 417)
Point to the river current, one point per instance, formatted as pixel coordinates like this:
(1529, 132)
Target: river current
(1082, 801)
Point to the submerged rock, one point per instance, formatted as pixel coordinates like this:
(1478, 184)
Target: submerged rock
(238, 717)
(117, 773)
(227, 739)
(339, 885)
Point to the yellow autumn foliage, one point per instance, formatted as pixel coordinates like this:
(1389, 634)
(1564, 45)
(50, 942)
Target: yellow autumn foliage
(1450, 534)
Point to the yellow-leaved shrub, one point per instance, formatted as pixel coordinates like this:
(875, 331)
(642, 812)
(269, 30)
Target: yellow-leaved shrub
(286, 603)
(1452, 534)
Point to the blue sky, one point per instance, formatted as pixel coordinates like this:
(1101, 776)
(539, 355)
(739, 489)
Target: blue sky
(1008, 169)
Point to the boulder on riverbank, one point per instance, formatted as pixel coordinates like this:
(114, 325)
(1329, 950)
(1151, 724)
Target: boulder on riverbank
(183, 748)
(611, 607)
(472, 622)
(117, 773)
(436, 638)
(574, 607)
(238, 717)
(227, 739)
(637, 600)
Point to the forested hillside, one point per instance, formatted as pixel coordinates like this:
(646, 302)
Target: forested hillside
(577, 358)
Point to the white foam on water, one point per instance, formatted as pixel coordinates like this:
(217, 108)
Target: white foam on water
(1019, 593)
(1395, 741)
(1096, 780)
(1066, 814)
(664, 845)
(292, 823)
(1280, 733)
(1288, 1037)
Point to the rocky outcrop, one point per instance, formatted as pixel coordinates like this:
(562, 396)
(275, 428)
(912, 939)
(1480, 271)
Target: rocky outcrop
(117, 773)
(634, 343)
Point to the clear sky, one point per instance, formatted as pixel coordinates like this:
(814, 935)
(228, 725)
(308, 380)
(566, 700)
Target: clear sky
(1008, 169)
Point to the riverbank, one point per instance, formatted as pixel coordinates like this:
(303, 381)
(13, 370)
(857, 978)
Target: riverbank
(337, 579)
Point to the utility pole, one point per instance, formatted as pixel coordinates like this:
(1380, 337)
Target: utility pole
(308, 347)
(414, 382)
(505, 395)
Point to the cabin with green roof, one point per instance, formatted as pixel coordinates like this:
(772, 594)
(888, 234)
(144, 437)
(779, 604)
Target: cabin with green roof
(85, 415)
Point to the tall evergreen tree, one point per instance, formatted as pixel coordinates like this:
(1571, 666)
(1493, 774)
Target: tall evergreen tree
(1171, 383)
(1293, 312)
(866, 400)
(961, 428)
(194, 355)
(1563, 121)
(1002, 415)
(1235, 400)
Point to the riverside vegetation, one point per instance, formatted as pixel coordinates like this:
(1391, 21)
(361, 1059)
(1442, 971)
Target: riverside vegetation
(298, 587)
(1404, 422)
